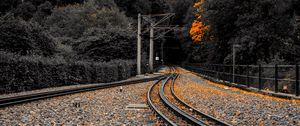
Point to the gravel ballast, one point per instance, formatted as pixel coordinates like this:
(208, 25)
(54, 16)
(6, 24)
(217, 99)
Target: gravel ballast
(108, 106)
(236, 106)
(101, 107)
(69, 87)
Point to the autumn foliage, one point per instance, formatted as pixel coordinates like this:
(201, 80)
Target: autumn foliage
(198, 29)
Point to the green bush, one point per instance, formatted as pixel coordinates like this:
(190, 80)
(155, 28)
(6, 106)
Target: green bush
(23, 73)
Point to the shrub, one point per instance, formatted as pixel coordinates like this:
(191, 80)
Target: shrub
(23, 73)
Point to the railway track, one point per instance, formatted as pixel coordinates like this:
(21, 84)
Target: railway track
(172, 110)
(161, 98)
(50, 94)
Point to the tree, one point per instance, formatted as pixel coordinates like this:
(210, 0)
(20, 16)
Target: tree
(159, 6)
(133, 7)
(7, 5)
(19, 36)
(182, 10)
(264, 29)
(198, 28)
(106, 44)
(97, 30)
(44, 10)
(73, 20)
(25, 10)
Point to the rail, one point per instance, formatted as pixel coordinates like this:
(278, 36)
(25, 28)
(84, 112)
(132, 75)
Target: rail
(165, 94)
(50, 94)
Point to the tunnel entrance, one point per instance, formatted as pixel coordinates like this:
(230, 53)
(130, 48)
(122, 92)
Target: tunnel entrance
(172, 52)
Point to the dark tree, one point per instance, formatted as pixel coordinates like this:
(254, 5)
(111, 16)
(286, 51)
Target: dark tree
(19, 36)
(182, 10)
(264, 29)
(133, 7)
(107, 44)
(7, 5)
(44, 10)
(25, 10)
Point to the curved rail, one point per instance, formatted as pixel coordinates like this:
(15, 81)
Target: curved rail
(194, 110)
(185, 116)
(43, 95)
(152, 106)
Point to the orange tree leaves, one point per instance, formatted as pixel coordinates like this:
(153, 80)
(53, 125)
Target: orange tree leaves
(198, 29)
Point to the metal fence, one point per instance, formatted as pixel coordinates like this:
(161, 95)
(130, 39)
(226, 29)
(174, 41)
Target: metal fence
(277, 78)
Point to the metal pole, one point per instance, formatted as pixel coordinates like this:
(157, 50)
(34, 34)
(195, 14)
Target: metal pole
(215, 69)
(276, 78)
(233, 64)
(139, 45)
(151, 48)
(297, 81)
(259, 78)
(248, 70)
(162, 52)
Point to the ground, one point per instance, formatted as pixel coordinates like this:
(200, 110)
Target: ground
(108, 106)
(101, 107)
(236, 106)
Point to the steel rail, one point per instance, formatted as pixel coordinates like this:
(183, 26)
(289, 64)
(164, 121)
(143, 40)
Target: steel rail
(185, 116)
(152, 106)
(50, 94)
(194, 110)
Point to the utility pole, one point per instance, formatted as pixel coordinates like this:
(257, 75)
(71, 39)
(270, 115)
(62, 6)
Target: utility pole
(233, 64)
(139, 45)
(151, 48)
(153, 25)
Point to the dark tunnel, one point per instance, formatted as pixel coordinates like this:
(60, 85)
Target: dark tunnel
(171, 52)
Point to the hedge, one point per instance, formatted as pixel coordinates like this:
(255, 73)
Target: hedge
(24, 73)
